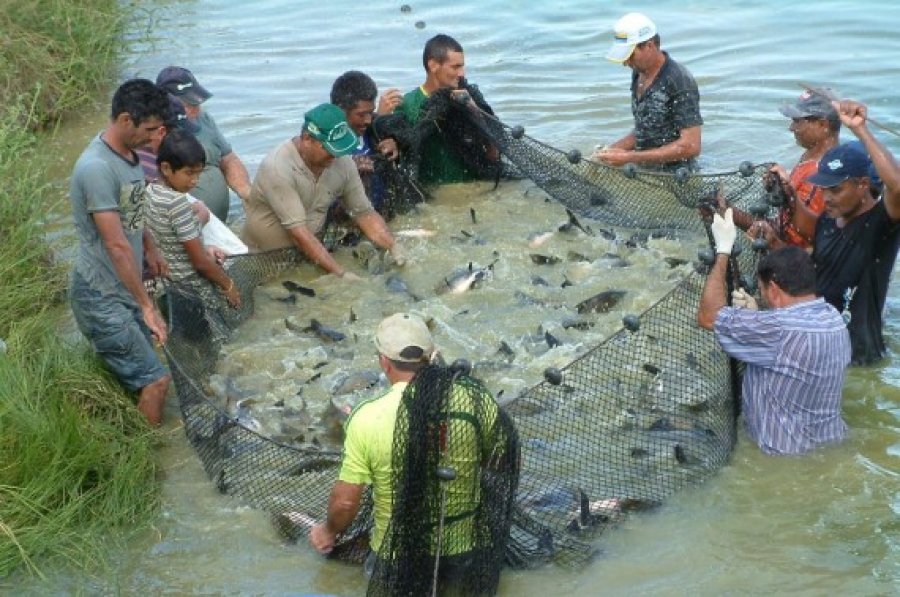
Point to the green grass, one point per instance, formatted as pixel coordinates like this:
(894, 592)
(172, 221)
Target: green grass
(76, 457)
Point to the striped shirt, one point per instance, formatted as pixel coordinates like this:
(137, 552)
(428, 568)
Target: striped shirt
(170, 217)
(796, 358)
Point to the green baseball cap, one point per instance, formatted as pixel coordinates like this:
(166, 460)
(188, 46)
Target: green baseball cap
(328, 124)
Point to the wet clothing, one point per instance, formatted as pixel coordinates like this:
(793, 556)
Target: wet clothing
(796, 359)
(105, 310)
(212, 189)
(368, 452)
(285, 194)
(372, 182)
(671, 103)
(809, 194)
(438, 163)
(858, 259)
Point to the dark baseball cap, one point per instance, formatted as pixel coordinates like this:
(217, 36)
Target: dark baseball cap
(839, 164)
(811, 105)
(181, 83)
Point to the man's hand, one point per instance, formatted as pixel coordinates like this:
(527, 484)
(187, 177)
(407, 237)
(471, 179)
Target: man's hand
(853, 114)
(397, 254)
(321, 539)
(350, 276)
(742, 299)
(388, 148)
(724, 232)
(364, 164)
(156, 263)
(155, 322)
(613, 157)
(390, 100)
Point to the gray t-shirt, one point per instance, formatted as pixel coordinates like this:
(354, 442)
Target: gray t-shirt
(105, 181)
(212, 189)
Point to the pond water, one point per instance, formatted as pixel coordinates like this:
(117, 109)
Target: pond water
(825, 523)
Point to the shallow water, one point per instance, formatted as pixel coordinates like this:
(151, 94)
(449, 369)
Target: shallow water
(825, 523)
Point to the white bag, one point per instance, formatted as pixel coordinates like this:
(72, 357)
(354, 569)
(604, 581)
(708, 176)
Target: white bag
(216, 233)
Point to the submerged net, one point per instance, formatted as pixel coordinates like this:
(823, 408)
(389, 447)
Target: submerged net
(647, 412)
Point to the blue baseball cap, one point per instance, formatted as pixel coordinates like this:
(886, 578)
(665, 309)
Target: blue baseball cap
(839, 164)
(873, 173)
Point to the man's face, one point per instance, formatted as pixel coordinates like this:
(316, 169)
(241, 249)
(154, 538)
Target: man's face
(846, 199)
(190, 110)
(640, 57)
(359, 117)
(317, 157)
(140, 135)
(448, 72)
(809, 130)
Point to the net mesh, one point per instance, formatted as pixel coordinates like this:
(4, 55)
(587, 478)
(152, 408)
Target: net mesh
(643, 414)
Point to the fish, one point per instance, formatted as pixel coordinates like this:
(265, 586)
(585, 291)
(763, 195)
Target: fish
(290, 299)
(538, 239)
(506, 350)
(539, 281)
(465, 279)
(574, 256)
(602, 302)
(353, 317)
(674, 262)
(315, 326)
(398, 285)
(348, 383)
(578, 324)
(613, 260)
(573, 223)
(295, 288)
(538, 259)
(552, 341)
(415, 233)
(472, 214)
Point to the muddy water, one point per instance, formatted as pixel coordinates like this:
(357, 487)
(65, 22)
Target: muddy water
(823, 524)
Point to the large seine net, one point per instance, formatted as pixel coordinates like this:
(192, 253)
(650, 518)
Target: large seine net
(645, 413)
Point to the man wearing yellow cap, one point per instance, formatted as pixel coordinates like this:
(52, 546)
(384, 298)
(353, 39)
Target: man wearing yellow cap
(665, 102)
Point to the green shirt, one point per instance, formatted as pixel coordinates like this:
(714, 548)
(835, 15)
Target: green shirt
(438, 164)
(368, 453)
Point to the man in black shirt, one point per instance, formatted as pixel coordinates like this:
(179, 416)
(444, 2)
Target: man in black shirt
(858, 235)
(665, 102)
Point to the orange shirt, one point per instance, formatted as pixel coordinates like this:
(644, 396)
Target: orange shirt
(807, 193)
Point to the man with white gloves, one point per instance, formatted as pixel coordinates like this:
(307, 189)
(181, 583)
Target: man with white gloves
(796, 351)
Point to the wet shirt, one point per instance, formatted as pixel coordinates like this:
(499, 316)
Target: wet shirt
(103, 180)
(796, 359)
(670, 104)
(368, 453)
(212, 188)
(170, 217)
(438, 164)
(856, 261)
(809, 194)
(286, 194)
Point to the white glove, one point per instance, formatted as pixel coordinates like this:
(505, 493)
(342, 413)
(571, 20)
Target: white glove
(724, 232)
(397, 255)
(743, 300)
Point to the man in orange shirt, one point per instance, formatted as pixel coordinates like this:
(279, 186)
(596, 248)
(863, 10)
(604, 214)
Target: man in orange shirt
(816, 127)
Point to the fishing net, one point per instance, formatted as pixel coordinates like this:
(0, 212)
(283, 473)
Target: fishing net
(645, 413)
(455, 470)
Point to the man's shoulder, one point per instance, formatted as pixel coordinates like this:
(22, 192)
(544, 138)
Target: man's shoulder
(677, 73)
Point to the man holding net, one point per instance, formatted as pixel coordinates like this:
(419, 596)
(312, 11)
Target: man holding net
(665, 102)
(796, 351)
(299, 181)
(442, 461)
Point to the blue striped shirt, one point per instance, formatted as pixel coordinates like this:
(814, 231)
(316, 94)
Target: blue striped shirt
(796, 358)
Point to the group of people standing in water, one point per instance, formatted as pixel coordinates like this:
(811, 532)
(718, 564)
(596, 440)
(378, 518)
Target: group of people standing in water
(823, 283)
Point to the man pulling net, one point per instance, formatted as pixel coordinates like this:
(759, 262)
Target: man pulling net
(442, 460)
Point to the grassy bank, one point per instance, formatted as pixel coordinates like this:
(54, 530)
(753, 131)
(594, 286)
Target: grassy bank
(76, 459)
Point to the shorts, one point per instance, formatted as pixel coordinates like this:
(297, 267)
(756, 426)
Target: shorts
(452, 571)
(118, 335)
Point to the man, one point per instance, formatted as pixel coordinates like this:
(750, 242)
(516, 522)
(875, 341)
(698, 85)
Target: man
(858, 236)
(354, 92)
(816, 127)
(796, 351)
(297, 183)
(440, 161)
(429, 417)
(224, 168)
(106, 292)
(665, 102)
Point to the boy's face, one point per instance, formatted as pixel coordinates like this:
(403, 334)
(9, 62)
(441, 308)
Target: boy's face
(183, 179)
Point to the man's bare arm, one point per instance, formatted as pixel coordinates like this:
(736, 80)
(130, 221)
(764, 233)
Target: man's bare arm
(236, 174)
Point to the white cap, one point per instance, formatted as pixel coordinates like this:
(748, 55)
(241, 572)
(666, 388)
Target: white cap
(629, 31)
(404, 337)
